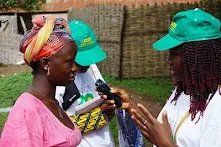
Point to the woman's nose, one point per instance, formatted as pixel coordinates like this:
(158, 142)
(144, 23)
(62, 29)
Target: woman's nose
(168, 60)
(74, 67)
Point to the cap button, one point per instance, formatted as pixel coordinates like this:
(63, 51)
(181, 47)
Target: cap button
(196, 9)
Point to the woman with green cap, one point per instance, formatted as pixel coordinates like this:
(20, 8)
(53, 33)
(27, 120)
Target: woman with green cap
(190, 117)
(89, 52)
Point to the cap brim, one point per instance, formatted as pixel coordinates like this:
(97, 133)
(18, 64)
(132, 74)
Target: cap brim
(91, 56)
(165, 43)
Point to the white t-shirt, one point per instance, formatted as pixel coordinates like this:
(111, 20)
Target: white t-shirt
(205, 133)
(85, 83)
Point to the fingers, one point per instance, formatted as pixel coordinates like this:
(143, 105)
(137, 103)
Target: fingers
(143, 128)
(117, 91)
(110, 107)
(145, 133)
(113, 90)
(122, 94)
(148, 115)
(140, 120)
(109, 102)
(102, 95)
(138, 116)
(165, 118)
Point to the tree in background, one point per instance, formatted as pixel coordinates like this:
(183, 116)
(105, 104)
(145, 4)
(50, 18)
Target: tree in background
(21, 4)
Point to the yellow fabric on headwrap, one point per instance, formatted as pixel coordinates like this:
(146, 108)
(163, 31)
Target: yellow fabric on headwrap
(45, 39)
(40, 40)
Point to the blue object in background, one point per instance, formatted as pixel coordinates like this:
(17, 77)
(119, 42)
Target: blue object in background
(128, 133)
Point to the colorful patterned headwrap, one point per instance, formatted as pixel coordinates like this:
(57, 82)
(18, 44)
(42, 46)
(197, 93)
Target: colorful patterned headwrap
(45, 39)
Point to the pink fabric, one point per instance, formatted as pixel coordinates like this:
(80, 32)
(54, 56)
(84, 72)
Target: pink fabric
(31, 124)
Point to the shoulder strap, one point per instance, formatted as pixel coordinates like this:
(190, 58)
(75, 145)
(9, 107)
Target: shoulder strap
(180, 123)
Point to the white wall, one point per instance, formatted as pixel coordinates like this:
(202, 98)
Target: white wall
(9, 39)
(11, 25)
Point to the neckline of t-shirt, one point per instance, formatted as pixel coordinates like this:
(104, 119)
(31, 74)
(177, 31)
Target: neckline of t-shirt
(184, 95)
(174, 91)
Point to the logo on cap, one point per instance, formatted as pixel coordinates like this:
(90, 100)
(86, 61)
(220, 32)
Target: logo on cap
(173, 26)
(86, 42)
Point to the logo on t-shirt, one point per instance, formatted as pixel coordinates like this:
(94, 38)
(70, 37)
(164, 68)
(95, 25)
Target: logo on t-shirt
(86, 98)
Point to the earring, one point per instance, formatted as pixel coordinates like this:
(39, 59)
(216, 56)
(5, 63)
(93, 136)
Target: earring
(48, 73)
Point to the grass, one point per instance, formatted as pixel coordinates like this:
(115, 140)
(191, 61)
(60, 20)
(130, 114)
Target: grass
(114, 130)
(3, 117)
(157, 88)
(12, 86)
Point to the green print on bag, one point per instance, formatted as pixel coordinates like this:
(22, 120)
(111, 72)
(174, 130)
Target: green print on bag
(86, 98)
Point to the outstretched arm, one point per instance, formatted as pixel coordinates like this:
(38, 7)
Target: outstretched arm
(157, 133)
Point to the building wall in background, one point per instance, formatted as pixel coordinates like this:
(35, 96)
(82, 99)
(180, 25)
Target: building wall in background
(9, 40)
(64, 5)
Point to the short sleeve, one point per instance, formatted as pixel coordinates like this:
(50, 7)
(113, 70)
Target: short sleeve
(211, 136)
(60, 90)
(95, 72)
(23, 128)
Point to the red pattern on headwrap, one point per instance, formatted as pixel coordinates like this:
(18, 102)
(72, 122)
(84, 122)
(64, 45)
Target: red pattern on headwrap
(45, 39)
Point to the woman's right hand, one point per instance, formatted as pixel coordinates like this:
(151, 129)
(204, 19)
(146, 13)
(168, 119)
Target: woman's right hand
(125, 96)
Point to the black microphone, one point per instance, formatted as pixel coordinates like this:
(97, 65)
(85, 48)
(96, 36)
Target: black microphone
(102, 87)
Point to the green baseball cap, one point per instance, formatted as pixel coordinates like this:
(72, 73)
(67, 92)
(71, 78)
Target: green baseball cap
(89, 51)
(189, 26)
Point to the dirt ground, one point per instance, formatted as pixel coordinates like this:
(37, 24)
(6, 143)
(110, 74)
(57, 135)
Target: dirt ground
(152, 106)
(12, 69)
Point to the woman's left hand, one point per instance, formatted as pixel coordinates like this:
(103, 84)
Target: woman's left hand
(157, 133)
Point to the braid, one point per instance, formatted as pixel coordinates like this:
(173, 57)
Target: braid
(179, 90)
(202, 72)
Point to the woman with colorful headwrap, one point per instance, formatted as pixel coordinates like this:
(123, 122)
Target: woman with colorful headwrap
(36, 118)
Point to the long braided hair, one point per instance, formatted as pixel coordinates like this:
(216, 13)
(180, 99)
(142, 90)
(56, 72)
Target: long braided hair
(202, 72)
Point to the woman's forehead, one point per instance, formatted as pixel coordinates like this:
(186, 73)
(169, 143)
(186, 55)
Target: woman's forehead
(69, 48)
(175, 50)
